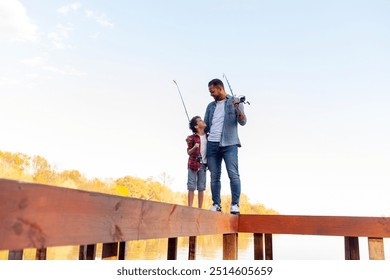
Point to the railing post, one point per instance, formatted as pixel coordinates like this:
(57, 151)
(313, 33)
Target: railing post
(113, 251)
(192, 248)
(262, 246)
(122, 250)
(230, 246)
(376, 248)
(41, 254)
(268, 246)
(258, 244)
(172, 248)
(15, 255)
(351, 245)
(87, 252)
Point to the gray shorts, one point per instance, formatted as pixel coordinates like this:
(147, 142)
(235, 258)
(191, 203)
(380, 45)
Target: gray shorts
(197, 179)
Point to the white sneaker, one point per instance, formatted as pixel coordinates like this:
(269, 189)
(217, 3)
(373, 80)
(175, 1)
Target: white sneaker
(216, 207)
(235, 209)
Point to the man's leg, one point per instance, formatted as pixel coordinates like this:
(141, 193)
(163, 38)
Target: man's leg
(214, 160)
(230, 156)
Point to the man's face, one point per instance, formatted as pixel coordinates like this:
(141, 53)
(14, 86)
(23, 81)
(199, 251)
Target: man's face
(216, 92)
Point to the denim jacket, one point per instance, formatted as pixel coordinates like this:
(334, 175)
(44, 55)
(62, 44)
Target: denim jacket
(229, 132)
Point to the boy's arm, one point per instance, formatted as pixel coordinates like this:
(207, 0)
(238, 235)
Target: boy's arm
(192, 150)
(191, 147)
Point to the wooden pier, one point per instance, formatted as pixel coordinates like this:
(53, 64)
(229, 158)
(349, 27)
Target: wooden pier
(40, 216)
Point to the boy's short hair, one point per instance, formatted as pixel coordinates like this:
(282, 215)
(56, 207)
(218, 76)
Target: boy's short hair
(193, 123)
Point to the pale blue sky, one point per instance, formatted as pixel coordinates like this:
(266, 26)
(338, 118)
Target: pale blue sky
(88, 85)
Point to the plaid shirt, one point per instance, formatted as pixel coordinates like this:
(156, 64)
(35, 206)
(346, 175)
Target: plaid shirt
(193, 164)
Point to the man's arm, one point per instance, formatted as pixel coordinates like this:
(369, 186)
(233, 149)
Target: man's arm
(206, 120)
(239, 107)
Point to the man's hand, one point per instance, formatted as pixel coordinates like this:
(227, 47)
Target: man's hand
(240, 114)
(236, 104)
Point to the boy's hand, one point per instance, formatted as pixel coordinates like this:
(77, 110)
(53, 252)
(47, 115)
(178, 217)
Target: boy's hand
(196, 145)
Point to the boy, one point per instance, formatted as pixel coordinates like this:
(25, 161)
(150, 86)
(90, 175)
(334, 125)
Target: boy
(197, 161)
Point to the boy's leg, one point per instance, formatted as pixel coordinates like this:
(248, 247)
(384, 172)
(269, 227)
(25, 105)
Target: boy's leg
(201, 184)
(191, 186)
(190, 197)
(200, 199)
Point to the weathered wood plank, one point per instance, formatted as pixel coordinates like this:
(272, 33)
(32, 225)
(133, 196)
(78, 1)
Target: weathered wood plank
(39, 216)
(230, 246)
(315, 225)
(376, 248)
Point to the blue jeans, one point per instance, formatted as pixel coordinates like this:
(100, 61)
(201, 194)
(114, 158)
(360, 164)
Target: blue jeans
(229, 154)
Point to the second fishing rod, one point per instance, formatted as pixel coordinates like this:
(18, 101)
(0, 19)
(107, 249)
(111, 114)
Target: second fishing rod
(241, 98)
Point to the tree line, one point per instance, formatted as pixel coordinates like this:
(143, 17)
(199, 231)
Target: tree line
(19, 166)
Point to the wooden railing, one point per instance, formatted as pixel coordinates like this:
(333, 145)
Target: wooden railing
(40, 216)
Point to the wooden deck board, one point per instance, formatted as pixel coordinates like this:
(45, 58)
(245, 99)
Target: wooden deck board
(316, 225)
(39, 216)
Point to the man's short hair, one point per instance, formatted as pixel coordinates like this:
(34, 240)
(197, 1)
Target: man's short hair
(216, 82)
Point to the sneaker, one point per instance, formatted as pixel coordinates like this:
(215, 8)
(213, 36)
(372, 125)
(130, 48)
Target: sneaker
(235, 209)
(216, 207)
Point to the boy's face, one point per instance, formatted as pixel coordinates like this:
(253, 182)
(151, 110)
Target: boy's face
(200, 123)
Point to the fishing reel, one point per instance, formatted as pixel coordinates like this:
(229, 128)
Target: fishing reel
(242, 99)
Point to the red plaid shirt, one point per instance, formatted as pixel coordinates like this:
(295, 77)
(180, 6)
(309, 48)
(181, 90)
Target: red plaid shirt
(193, 164)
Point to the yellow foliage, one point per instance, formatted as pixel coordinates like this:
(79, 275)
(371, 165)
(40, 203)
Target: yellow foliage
(121, 190)
(19, 166)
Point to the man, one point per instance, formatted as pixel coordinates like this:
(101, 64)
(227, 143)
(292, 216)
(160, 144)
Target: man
(222, 118)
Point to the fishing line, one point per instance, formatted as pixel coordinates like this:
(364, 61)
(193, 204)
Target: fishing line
(182, 101)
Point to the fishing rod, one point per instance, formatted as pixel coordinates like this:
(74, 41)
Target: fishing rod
(182, 101)
(241, 97)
